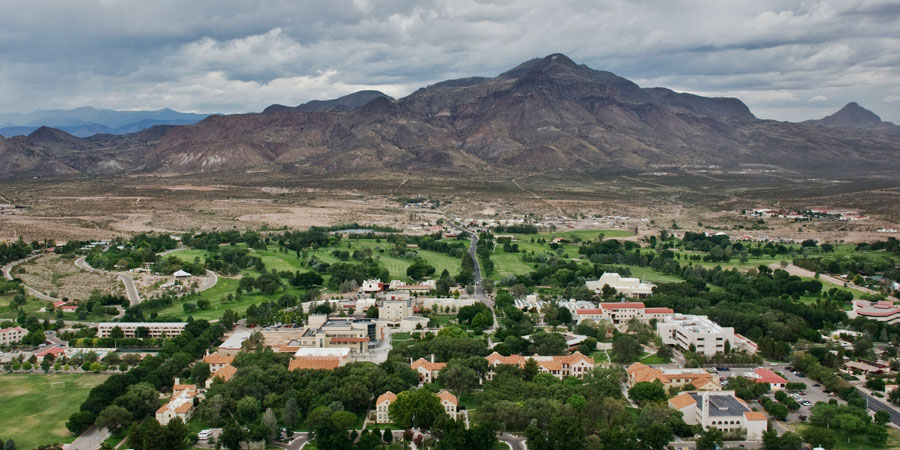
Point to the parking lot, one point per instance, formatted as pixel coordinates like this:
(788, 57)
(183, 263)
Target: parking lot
(813, 393)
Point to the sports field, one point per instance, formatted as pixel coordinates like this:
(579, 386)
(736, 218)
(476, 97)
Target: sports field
(34, 408)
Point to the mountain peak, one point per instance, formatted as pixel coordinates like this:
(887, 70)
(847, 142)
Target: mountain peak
(349, 102)
(556, 62)
(852, 115)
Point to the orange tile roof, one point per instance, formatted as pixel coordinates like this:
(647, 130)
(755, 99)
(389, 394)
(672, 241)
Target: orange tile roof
(496, 358)
(754, 415)
(184, 387)
(163, 408)
(589, 311)
(643, 373)
(428, 365)
(700, 382)
(659, 311)
(551, 365)
(225, 373)
(386, 397)
(681, 401)
(314, 363)
(623, 305)
(446, 395)
(218, 358)
(184, 407)
(768, 376)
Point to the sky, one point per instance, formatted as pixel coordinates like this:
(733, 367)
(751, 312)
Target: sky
(787, 60)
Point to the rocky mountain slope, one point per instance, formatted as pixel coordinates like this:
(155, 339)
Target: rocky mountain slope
(851, 116)
(545, 114)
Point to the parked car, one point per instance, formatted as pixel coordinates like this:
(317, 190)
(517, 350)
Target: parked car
(203, 435)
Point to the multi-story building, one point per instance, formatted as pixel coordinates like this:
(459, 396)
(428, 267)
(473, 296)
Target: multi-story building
(720, 410)
(325, 332)
(180, 405)
(223, 373)
(394, 310)
(9, 336)
(574, 365)
(449, 402)
(217, 360)
(370, 287)
(320, 358)
(421, 288)
(702, 335)
(382, 407)
(620, 313)
(628, 287)
(695, 379)
(882, 311)
(154, 329)
(427, 370)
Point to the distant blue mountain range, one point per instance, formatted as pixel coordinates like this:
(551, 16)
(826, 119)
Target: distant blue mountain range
(87, 121)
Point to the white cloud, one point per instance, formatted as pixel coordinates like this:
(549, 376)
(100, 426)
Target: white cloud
(818, 98)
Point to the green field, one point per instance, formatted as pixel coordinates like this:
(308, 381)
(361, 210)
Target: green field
(33, 413)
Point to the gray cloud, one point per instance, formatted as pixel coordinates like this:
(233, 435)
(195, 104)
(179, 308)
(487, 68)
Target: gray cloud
(788, 60)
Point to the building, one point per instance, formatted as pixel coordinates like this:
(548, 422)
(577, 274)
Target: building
(154, 329)
(427, 370)
(217, 360)
(764, 375)
(180, 405)
(180, 274)
(371, 286)
(224, 373)
(320, 358)
(449, 402)
(882, 311)
(9, 336)
(720, 410)
(620, 313)
(382, 407)
(337, 332)
(698, 333)
(695, 379)
(54, 352)
(394, 310)
(446, 303)
(628, 287)
(234, 343)
(574, 365)
(421, 288)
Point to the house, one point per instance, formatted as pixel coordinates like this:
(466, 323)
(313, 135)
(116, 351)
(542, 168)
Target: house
(862, 367)
(628, 287)
(181, 275)
(694, 379)
(319, 358)
(217, 360)
(698, 333)
(449, 402)
(382, 407)
(765, 375)
(12, 335)
(54, 352)
(574, 365)
(427, 370)
(180, 405)
(224, 373)
(154, 329)
(720, 410)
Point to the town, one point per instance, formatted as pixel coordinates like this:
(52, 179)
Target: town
(465, 334)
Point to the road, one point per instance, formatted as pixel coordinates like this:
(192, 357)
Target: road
(876, 404)
(480, 293)
(801, 272)
(90, 439)
(296, 444)
(7, 273)
(130, 289)
(514, 442)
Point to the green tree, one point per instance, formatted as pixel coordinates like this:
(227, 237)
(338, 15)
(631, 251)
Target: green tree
(417, 408)
(271, 425)
(877, 434)
(247, 410)
(458, 377)
(117, 333)
(176, 432)
(626, 348)
(113, 417)
(232, 435)
(200, 372)
(289, 417)
(79, 421)
(711, 439)
(645, 392)
(141, 399)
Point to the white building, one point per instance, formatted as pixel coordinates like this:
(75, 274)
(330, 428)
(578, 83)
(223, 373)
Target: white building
(704, 335)
(12, 335)
(382, 407)
(720, 410)
(156, 329)
(180, 405)
(449, 402)
(620, 313)
(233, 343)
(394, 310)
(371, 286)
(629, 287)
(444, 303)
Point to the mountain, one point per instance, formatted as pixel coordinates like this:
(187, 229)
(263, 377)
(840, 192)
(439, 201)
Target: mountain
(851, 116)
(546, 114)
(85, 122)
(346, 103)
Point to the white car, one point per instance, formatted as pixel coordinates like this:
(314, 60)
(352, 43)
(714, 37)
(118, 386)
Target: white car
(203, 435)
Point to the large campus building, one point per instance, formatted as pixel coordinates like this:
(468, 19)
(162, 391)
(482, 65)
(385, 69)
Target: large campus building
(694, 379)
(180, 405)
(155, 329)
(627, 287)
(620, 313)
(720, 410)
(574, 365)
(882, 311)
(702, 335)
(12, 335)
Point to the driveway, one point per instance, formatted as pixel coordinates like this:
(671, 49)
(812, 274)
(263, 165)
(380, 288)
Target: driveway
(514, 442)
(90, 439)
(299, 441)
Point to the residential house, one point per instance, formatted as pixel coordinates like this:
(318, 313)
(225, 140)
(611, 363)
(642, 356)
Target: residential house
(382, 407)
(449, 402)
(427, 370)
(217, 360)
(224, 373)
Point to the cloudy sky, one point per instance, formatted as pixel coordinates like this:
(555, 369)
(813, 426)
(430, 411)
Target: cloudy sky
(788, 60)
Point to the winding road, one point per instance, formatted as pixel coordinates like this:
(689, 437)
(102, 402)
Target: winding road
(133, 296)
(7, 273)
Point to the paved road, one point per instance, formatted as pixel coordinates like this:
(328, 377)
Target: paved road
(480, 293)
(90, 439)
(514, 442)
(299, 441)
(801, 272)
(876, 404)
(130, 289)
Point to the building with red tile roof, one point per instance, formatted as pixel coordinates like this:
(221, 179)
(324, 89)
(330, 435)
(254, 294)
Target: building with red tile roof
(427, 370)
(382, 407)
(695, 379)
(225, 373)
(180, 405)
(574, 365)
(721, 410)
(449, 402)
(765, 375)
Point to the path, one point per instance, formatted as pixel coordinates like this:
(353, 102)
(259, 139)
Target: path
(130, 289)
(801, 272)
(402, 182)
(515, 181)
(480, 293)
(7, 273)
(90, 439)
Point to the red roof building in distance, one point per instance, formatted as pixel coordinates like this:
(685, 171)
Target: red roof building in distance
(882, 311)
(765, 375)
(54, 351)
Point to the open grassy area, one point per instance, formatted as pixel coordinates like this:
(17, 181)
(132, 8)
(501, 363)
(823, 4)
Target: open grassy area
(33, 413)
(857, 441)
(653, 359)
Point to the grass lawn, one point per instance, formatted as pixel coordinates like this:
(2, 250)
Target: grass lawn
(34, 414)
(653, 359)
(857, 441)
(599, 357)
(32, 305)
(648, 274)
(509, 264)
